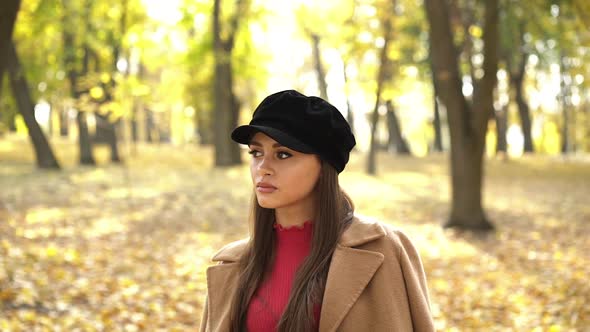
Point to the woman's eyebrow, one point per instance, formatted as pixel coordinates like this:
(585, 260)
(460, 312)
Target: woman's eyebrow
(276, 145)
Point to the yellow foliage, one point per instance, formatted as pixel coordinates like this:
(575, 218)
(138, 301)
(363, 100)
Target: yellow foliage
(21, 127)
(140, 90)
(127, 248)
(96, 92)
(476, 31)
(105, 77)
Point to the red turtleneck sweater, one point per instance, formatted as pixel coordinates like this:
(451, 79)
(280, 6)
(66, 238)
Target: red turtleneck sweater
(292, 246)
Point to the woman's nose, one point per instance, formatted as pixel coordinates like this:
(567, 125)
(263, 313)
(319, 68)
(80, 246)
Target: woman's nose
(265, 167)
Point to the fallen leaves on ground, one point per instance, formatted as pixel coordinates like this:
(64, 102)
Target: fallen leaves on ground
(125, 248)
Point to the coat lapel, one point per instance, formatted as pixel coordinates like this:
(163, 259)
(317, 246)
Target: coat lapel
(219, 279)
(350, 272)
(221, 285)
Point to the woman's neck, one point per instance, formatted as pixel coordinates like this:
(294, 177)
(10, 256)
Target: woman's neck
(295, 215)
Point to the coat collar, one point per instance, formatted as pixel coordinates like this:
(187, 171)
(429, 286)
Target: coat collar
(359, 232)
(351, 270)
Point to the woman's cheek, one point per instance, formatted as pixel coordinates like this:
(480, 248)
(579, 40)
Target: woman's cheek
(253, 171)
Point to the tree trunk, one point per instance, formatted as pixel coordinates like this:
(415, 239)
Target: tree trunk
(525, 119)
(112, 127)
(501, 128)
(371, 162)
(464, 13)
(84, 146)
(138, 114)
(396, 141)
(227, 153)
(466, 176)
(319, 68)
(63, 120)
(516, 57)
(381, 73)
(517, 80)
(349, 113)
(565, 137)
(112, 139)
(150, 125)
(70, 63)
(134, 123)
(110, 131)
(438, 146)
(467, 124)
(20, 89)
(8, 12)
(106, 132)
(224, 116)
(565, 142)
(112, 135)
(436, 121)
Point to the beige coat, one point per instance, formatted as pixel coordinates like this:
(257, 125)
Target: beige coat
(375, 283)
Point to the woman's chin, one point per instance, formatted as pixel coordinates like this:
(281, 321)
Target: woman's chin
(268, 204)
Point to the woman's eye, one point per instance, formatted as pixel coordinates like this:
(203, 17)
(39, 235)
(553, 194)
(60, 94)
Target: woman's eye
(283, 155)
(254, 153)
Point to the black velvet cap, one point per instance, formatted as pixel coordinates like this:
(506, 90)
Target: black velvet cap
(302, 123)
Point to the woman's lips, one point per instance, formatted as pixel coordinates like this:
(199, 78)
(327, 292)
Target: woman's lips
(265, 188)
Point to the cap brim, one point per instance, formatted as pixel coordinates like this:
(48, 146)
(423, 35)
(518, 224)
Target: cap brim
(243, 135)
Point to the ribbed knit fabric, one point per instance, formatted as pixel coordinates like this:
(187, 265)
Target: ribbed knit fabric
(270, 299)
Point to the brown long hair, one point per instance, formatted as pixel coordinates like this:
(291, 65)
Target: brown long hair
(333, 214)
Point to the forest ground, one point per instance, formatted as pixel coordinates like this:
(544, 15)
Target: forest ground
(125, 247)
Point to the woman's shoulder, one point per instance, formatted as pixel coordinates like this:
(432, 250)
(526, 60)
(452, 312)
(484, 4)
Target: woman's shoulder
(364, 230)
(231, 252)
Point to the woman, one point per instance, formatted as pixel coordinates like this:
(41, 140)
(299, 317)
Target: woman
(310, 264)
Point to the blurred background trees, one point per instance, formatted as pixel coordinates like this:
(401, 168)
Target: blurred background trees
(468, 77)
(119, 181)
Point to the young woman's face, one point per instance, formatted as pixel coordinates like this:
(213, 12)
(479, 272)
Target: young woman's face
(282, 177)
